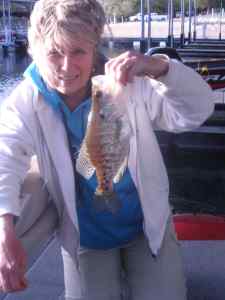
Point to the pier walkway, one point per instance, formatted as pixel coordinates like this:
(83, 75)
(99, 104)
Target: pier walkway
(203, 261)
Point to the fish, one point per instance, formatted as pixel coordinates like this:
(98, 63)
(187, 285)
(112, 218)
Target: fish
(105, 147)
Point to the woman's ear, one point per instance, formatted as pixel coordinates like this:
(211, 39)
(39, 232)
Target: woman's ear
(99, 65)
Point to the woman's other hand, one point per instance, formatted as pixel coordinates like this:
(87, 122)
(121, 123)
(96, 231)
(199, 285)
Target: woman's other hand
(129, 64)
(12, 258)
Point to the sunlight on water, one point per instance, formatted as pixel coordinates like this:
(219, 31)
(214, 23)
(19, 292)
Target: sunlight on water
(11, 70)
(8, 84)
(13, 66)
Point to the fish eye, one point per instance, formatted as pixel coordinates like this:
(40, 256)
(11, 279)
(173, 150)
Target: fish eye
(98, 94)
(102, 115)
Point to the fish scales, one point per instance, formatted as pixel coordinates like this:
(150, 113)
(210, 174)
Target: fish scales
(106, 144)
(101, 144)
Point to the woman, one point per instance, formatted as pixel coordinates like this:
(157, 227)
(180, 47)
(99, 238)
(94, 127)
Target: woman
(46, 116)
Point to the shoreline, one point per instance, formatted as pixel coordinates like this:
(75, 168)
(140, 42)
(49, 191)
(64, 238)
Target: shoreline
(160, 30)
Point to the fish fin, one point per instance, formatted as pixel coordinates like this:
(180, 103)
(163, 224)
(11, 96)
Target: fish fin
(83, 163)
(121, 171)
(106, 202)
(126, 130)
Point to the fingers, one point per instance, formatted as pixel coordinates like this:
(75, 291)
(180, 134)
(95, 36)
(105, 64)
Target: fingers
(129, 64)
(13, 284)
(121, 67)
(12, 263)
(12, 273)
(12, 279)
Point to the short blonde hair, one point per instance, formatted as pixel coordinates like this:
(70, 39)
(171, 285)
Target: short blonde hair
(71, 19)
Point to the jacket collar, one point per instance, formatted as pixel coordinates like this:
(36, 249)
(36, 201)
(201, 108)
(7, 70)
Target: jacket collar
(56, 139)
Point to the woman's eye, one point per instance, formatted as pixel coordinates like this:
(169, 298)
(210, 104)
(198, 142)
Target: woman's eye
(53, 53)
(79, 51)
(75, 52)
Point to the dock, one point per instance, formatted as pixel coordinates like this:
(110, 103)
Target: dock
(203, 260)
(203, 263)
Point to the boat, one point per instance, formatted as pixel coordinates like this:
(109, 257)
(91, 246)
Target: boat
(196, 168)
(11, 40)
(195, 160)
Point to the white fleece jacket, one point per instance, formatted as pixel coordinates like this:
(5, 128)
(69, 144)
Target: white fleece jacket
(179, 101)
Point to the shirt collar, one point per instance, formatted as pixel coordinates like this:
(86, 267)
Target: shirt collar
(51, 96)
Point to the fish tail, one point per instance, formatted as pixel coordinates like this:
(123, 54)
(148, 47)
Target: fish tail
(106, 201)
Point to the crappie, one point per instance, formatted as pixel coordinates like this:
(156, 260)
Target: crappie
(105, 147)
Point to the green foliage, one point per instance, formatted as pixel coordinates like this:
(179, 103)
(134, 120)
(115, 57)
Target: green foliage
(120, 7)
(131, 7)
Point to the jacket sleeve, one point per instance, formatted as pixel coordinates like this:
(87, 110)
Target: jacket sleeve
(16, 147)
(179, 101)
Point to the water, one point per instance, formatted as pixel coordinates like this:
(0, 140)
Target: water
(11, 72)
(13, 66)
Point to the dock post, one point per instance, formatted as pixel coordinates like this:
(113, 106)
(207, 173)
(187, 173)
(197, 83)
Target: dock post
(143, 46)
(190, 19)
(221, 16)
(182, 12)
(5, 51)
(195, 20)
(170, 40)
(149, 25)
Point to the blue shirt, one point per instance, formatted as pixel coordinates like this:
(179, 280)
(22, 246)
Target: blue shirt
(98, 230)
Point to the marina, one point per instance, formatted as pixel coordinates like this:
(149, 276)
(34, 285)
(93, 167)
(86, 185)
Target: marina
(13, 27)
(202, 256)
(11, 70)
(178, 32)
(197, 182)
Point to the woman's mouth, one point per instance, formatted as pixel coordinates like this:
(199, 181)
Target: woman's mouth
(68, 78)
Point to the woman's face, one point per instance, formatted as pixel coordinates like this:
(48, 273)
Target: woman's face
(69, 67)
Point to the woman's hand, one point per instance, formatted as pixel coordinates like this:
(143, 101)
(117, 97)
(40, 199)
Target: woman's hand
(12, 258)
(129, 64)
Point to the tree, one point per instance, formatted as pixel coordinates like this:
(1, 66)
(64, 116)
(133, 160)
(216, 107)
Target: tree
(131, 7)
(119, 7)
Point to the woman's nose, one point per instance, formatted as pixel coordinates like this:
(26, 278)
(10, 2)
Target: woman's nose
(66, 62)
